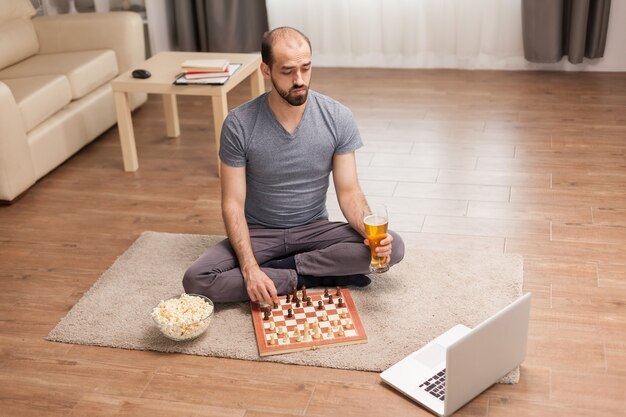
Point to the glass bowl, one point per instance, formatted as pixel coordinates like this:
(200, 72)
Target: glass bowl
(183, 318)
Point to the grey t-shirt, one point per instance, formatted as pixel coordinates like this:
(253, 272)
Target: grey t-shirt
(287, 175)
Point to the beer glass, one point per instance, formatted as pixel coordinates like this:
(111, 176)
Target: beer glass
(376, 220)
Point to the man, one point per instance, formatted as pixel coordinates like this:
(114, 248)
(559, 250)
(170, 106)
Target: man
(277, 152)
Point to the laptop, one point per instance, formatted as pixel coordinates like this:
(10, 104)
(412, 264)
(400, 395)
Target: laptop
(455, 367)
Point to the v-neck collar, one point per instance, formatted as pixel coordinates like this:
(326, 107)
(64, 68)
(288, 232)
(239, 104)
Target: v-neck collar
(279, 125)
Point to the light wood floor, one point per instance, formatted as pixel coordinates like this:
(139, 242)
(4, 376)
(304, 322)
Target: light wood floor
(531, 163)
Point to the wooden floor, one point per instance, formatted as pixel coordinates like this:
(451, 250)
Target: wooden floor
(518, 162)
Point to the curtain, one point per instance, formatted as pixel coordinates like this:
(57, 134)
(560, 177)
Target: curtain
(554, 28)
(407, 33)
(220, 25)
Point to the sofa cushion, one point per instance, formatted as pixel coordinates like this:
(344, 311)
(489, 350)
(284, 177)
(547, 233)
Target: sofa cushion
(39, 97)
(85, 70)
(13, 9)
(18, 40)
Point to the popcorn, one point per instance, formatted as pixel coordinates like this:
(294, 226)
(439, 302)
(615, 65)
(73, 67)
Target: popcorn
(183, 318)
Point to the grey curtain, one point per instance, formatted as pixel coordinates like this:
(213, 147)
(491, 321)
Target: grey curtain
(220, 25)
(554, 28)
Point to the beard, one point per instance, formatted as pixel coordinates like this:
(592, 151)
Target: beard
(290, 97)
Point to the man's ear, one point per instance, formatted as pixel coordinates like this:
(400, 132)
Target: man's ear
(265, 70)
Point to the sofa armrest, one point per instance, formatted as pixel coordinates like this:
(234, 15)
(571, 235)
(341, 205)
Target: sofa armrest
(119, 31)
(17, 172)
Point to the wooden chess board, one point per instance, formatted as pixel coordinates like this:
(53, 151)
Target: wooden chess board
(338, 326)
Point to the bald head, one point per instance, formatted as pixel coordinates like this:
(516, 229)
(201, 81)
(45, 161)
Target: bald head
(286, 35)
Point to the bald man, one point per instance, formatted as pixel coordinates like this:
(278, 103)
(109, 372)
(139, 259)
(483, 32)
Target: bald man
(277, 152)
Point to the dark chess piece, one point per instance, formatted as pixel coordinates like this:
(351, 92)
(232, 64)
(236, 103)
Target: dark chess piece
(330, 299)
(266, 314)
(325, 292)
(338, 292)
(309, 302)
(320, 305)
(290, 313)
(297, 303)
(303, 293)
(287, 298)
(275, 305)
(341, 304)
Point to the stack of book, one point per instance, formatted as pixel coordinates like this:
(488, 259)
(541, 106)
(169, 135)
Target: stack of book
(206, 71)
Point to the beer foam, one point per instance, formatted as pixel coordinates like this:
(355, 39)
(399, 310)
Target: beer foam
(374, 220)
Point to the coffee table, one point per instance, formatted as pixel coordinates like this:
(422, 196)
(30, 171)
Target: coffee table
(165, 66)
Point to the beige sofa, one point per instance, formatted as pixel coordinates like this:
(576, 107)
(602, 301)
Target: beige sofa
(55, 95)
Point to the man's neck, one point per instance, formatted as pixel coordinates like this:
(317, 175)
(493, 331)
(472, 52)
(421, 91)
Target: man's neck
(287, 115)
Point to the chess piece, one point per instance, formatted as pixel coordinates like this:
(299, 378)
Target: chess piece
(290, 313)
(286, 337)
(287, 298)
(304, 297)
(279, 330)
(343, 314)
(272, 341)
(275, 305)
(341, 332)
(317, 333)
(297, 303)
(338, 292)
(272, 325)
(324, 316)
(330, 299)
(320, 305)
(266, 314)
(348, 324)
(329, 332)
(325, 292)
(309, 303)
(341, 304)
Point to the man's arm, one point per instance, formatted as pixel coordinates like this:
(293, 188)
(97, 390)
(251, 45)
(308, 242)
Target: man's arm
(259, 286)
(351, 199)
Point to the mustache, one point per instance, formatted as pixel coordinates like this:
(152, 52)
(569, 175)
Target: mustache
(298, 87)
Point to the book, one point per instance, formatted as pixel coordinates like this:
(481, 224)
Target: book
(230, 70)
(205, 65)
(182, 80)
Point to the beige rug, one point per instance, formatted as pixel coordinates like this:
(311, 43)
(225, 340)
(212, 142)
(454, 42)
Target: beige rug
(402, 310)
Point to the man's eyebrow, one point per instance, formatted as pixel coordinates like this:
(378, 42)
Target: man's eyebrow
(288, 67)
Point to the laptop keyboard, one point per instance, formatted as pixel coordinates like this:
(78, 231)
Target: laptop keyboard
(436, 385)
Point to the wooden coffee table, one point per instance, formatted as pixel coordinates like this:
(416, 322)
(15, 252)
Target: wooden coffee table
(165, 66)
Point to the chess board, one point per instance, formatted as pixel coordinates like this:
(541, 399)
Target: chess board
(338, 326)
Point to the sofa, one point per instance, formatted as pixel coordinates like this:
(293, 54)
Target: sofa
(55, 96)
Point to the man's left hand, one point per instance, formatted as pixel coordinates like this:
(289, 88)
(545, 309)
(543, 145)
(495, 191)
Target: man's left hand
(385, 247)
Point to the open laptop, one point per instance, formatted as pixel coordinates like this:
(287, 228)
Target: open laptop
(461, 363)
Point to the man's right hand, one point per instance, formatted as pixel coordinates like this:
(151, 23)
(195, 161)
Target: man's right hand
(260, 287)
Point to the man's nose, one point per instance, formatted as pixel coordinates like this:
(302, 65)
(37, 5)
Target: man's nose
(298, 80)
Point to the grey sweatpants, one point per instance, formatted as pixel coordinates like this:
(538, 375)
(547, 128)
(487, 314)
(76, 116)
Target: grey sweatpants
(321, 248)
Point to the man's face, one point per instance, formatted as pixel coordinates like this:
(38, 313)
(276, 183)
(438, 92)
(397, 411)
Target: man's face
(291, 71)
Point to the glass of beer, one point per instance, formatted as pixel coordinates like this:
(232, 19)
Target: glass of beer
(376, 220)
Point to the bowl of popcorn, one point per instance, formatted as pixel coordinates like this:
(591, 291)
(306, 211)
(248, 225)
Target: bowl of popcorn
(183, 318)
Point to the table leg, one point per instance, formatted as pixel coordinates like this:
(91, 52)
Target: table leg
(220, 110)
(257, 85)
(125, 127)
(170, 108)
